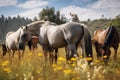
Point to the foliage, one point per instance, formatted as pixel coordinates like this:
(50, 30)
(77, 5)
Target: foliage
(50, 15)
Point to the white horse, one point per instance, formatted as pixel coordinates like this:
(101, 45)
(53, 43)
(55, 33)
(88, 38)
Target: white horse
(54, 37)
(12, 40)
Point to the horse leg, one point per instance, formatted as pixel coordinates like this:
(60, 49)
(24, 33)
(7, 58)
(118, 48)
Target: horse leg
(107, 54)
(73, 51)
(67, 53)
(10, 55)
(13, 53)
(23, 53)
(45, 54)
(56, 56)
(51, 57)
(82, 47)
(115, 51)
(19, 55)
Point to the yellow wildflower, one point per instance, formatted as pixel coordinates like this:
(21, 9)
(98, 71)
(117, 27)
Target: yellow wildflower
(59, 62)
(81, 56)
(68, 71)
(59, 68)
(73, 78)
(54, 65)
(73, 59)
(30, 54)
(5, 63)
(38, 71)
(73, 65)
(97, 61)
(55, 69)
(7, 70)
(89, 58)
(61, 59)
(105, 56)
(40, 54)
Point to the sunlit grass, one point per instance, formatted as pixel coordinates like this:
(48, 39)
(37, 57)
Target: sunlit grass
(33, 67)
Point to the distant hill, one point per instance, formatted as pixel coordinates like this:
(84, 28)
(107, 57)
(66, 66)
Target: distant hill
(103, 24)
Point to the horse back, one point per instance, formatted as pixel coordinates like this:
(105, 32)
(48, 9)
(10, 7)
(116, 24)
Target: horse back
(99, 36)
(10, 41)
(9, 33)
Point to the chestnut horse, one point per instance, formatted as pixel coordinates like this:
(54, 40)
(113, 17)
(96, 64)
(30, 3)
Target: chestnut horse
(33, 42)
(104, 39)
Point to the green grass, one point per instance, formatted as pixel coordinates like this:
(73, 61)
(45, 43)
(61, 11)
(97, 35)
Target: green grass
(33, 67)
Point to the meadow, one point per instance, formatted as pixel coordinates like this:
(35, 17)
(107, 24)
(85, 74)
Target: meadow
(33, 67)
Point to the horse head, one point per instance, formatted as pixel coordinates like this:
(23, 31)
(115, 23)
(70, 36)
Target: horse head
(4, 48)
(74, 17)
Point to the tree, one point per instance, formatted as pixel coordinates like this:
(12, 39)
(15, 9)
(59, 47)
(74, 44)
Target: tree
(35, 19)
(50, 15)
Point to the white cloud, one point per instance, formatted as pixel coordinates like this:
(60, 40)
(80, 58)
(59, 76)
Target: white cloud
(33, 4)
(106, 4)
(108, 8)
(30, 14)
(7, 3)
(83, 13)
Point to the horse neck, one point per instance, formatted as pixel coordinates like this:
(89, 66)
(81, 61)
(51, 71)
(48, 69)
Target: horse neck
(75, 20)
(17, 33)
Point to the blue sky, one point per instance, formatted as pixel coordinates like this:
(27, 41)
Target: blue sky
(85, 9)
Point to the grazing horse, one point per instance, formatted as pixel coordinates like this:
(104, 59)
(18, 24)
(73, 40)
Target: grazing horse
(104, 39)
(12, 40)
(57, 36)
(75, 18)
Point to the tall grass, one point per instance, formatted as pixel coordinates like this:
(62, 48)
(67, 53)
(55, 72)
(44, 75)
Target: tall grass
(33, 67)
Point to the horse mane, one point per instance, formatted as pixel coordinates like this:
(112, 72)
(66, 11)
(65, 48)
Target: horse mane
(36, 23)
(109, 36)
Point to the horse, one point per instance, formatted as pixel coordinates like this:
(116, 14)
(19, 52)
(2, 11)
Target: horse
(53, 36)
(104, 39)
(11, 42)
(75, 18)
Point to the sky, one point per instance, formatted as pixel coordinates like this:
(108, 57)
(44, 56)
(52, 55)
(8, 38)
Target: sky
(92, 9)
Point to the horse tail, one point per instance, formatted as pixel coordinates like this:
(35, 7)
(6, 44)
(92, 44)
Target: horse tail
(88, 43)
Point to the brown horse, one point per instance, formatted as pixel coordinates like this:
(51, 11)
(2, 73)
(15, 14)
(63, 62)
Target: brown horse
(33, 42)
(104, 39)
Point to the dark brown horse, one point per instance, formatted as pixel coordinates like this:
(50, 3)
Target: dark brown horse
(104, 39)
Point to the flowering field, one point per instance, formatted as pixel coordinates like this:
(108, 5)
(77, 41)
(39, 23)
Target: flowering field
(33, 67)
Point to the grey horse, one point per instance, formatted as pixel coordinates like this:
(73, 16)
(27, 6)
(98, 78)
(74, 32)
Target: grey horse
(53, 36)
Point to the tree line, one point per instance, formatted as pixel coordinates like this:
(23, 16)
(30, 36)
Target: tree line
(11, 24)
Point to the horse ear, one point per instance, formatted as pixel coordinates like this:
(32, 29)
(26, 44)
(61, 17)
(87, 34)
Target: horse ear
(21, 27)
